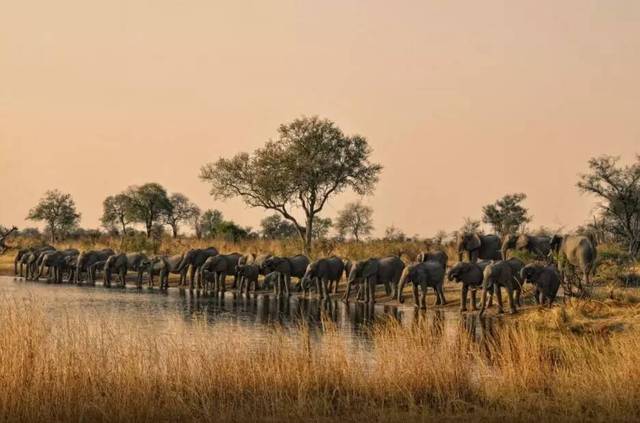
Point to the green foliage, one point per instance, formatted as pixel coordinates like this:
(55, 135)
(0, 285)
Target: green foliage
(310, 161)
(181, 210)
(58, 210)
(213, 225)
(618, 189)
(321, 227)
(393, 234)
(507, 214)
(355, 220)
(275, 227)
(148, 204)
(117, 211)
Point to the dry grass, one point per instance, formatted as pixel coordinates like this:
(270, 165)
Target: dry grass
(110, 370)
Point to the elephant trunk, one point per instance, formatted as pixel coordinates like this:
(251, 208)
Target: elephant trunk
(483, 302)
(504, 251)
(403, 280)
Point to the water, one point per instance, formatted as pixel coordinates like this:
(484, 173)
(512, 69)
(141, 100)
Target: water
(161, 313)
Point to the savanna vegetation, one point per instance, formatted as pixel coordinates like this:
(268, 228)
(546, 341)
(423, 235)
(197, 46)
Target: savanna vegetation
(575, 361)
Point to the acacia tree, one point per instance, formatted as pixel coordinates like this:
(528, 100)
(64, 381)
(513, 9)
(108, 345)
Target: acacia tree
(149, 203)
(310, 161)
(618, 188)
(507, 214)
(355, 219)
(116, 209)
(181, 210)
(58, 210)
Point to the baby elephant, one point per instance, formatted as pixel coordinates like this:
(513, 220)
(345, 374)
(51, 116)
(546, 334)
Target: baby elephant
(247, 276)
(426, 274)
(545, 279)
(502, 274)
(470, 274)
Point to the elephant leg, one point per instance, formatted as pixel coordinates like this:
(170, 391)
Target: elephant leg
(347, 292)
(463, 297)
(491, 292)
(325, 288)
(512, 302)
(335, 287)
(287, 284)
(474, 306)
(223, 282)
(440, 292)
(423, 299)
(416, 298)
(518, 296)
(498, 291)
(191, 278)
(387, 288)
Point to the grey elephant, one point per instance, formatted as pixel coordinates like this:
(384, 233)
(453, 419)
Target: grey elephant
(286, 268)
(70, 267)
(375, 271)
(33, 260)
(484, 247)
(428, 274)
(269, 280)
(325, 272)
(85, 261)
(219, 266)
(163, 266)
(539, 246)
(23, 256)
(437, 256)
(56, 261)
(194, 259)
(545, 279)
(575, 250)
(248, 276)
(120, 264)
(502, 274)
(471, 277)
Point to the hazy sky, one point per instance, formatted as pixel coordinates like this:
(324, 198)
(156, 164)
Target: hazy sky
(461, 101)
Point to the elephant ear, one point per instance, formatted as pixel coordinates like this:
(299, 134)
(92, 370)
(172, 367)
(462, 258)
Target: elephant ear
(370, 268)
(522, 242)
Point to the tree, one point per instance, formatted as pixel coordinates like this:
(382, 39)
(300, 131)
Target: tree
(310, 161)
(355, 219)
(469, 226)
(507, 214)
(149, 203)
(393, 234)
(58, 210)
(116, 210)
(181, 210)
(618, 189)
(210, 221)
(275, 227)
(321, 227)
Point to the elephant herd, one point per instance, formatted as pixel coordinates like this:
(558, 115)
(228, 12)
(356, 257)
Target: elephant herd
(487, 268)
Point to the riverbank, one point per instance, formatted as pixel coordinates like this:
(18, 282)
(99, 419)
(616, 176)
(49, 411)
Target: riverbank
(539, 365)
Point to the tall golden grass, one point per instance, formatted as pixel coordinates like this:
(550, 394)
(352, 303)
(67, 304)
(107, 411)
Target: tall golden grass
(109, 369)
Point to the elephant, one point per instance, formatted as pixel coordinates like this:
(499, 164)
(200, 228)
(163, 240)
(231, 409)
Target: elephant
(248, 275)
(287, 267)
(220, 266)
(121, 264)
(251, 258)
(22, 257)
(56, 261)
(499, 274)
(70, 265)
(471, 276)
(373, 271)
(325, 272)
(536, 245)
(545, 279)
(424, 274)
(484, 247)
(438, 256)
(575, 250)
(86, 259)
(33, 259)
(269, 279)
(163, 266)
(195, 258)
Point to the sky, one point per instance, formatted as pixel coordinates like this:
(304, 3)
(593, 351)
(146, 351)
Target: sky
(462, 101)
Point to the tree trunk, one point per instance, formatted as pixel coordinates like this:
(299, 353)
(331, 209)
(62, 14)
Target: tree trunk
(308, 237)
(174, 228)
